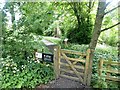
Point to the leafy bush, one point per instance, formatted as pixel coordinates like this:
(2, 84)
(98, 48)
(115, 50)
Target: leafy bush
(18, 69)
(28, 75)
(80, 35)
(109, 37)
(76, 47)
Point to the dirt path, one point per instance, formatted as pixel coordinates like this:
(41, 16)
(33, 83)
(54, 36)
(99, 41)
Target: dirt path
(63, 83)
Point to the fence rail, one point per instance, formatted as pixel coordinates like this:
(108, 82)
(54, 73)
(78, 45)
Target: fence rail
(108, 69)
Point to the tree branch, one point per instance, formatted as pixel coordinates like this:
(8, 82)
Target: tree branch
(111, 10)
(110, 27)
(108, 3)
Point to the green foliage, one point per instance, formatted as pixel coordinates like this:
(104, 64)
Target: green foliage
(36, 17)
(83, 25)
(28, 75)
(76, 47)
(18, 69)
(109, 37)
(100, 83)
(76, 35)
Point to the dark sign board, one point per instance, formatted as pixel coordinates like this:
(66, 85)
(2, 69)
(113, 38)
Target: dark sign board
(47, 57)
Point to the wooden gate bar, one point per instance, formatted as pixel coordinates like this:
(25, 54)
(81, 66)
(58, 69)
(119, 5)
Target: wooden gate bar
(69, 77)
(76, 66)
(74, 59)
(112, 78)
(72, 52)
(73, 68)
(111, 71)
(113, 63)
(72, 72)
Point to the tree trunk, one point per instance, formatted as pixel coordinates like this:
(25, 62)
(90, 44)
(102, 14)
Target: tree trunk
(12, 12)
(119, 33)
(95, 36)
(76, 14)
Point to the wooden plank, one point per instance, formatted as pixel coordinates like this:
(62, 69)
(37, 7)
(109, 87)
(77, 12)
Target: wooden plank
(70, 77)
(47, 43)
(70, 71)
(76, 66)
(111, 71)
(72, 59)
(76, 72)
(111, 78)
(72, 52)
(112, 63)
(74, 62)
(109, 67)
(100, 67)
(86, 67)
(59, 57)
(108, 70)
(57, 61)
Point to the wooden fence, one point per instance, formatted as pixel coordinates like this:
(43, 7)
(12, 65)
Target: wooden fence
(69, 67)
(108, 67)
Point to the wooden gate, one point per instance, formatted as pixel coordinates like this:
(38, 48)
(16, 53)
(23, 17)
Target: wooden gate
(73, 68)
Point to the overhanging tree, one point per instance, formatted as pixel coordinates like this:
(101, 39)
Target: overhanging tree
(97, 31)
(83, 27)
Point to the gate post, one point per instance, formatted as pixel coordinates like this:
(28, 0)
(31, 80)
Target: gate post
(57, 61)
(86, 67)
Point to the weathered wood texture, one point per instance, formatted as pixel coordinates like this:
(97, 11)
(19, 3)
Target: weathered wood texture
(57, 61)
(86, 68)
(108, 69)
(76, 68)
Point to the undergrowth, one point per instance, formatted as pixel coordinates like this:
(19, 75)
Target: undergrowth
(27, 75)
(101, 51)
